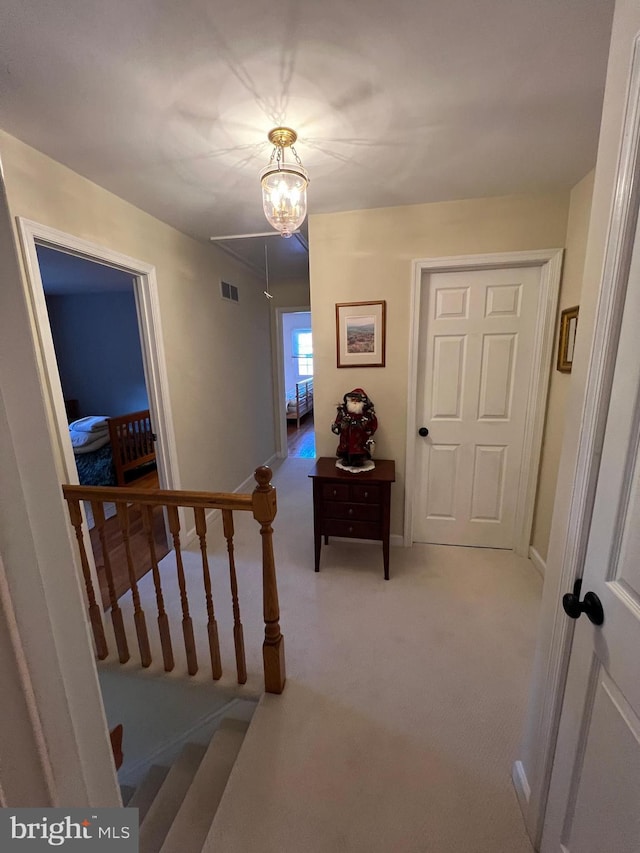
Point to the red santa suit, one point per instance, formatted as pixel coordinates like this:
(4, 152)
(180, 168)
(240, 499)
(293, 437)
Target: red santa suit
(356, 424)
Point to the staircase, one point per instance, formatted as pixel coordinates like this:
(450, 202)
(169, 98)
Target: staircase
(177, 804)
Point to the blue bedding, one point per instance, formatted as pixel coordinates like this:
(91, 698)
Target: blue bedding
(96, 468)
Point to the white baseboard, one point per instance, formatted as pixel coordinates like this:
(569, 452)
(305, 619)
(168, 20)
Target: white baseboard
(538, 563)
(521, 785)
(249, 484)
(213, 517)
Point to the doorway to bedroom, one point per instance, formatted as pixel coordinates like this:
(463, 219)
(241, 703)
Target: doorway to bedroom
(297, 357)
(96, 338)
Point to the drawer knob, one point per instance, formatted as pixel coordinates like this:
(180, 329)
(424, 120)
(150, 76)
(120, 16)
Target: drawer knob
(335, 493)
(366, 494)
(351, 530)
(351, 510)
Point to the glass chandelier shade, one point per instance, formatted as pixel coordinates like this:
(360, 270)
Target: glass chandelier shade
(284, 185)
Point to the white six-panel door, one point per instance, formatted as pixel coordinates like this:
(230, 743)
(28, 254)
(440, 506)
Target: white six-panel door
(594, 800)
(477, 330)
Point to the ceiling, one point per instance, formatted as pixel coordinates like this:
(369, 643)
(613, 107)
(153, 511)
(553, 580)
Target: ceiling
(168, 104)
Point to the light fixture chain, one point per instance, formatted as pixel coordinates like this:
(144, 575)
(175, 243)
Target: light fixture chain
(295, 154)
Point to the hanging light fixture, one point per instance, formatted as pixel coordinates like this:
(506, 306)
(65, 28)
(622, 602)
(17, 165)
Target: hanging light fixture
(284, 184)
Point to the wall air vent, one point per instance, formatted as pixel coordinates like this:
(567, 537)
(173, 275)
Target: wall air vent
(229, 291)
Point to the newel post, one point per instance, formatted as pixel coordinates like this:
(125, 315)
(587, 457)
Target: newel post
(264, 511)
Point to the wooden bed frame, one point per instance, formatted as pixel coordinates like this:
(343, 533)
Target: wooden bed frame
(132, 444)
(303, 401)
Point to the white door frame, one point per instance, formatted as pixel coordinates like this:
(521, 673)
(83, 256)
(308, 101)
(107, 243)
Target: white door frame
(550, 263)
(279, 385)
(604, 346)
(145, 289)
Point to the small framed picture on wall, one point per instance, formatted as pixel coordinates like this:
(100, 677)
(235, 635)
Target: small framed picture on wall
(567, 341)
(360, 334)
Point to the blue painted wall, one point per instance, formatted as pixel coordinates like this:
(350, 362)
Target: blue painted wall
(98, 350)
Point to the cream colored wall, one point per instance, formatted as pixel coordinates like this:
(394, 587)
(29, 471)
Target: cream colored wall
(290, 293)
(218, 353)
(570, 294)
(23, 781)
(367, 255)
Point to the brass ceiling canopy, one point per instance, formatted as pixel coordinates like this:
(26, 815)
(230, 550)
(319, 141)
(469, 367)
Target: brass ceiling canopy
(283, 137)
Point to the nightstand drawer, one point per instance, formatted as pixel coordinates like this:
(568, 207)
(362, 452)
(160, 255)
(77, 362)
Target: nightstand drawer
(335, 492)
(363, 493)
(352, 512)
(352, 529)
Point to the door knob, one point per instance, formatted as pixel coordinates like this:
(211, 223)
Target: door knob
(423, 431)
(590, 604)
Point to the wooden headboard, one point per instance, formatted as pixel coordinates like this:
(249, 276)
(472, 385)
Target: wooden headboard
(132, 443)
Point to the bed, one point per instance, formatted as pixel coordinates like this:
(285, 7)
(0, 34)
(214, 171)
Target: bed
(299, 400)
(113, 451)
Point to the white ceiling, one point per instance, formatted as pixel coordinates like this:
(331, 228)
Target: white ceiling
(168, 104)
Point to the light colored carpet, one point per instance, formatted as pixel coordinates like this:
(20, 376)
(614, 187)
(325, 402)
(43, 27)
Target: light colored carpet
(404, 702)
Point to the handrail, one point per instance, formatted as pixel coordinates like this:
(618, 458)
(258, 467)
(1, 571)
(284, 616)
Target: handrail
(261, 503)
(166, 497)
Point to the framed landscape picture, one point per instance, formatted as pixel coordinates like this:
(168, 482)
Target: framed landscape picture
(360, 334)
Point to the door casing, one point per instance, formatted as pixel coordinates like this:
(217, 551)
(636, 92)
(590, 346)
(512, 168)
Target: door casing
(278, 377)
(148, 309)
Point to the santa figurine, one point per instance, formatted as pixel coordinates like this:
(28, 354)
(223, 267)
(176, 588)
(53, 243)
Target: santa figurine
(356, 424)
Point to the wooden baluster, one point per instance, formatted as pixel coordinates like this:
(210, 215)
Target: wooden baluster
(238, 633)
(136, 449)
(95, 614)
(212, 626)
(133, 440)
(138, 612)
(187, 624)
(97, 507)
(163, 619)
(264, 511)
(133, 443)
(123, 444)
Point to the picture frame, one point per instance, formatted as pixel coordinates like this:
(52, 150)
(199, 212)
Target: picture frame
(567, 339)
(361, 334)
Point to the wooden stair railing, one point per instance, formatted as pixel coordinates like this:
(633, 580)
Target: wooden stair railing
(261, 503)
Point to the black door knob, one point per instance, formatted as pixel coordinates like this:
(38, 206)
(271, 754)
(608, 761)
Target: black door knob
(590, 604)
(423, 431)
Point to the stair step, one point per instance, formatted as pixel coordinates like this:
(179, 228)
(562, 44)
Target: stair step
(146, 791)
(126, 792)
(164, 808)
(195, 816)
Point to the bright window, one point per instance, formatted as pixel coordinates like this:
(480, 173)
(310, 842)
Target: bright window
(303, 351)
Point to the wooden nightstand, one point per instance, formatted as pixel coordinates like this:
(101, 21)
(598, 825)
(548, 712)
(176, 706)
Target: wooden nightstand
(356, 506)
